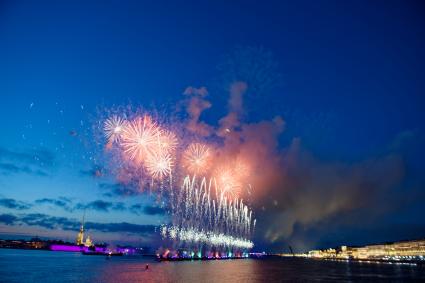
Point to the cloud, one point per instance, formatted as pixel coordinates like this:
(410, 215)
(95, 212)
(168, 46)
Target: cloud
(235, 105)
(195, 104)
(148, 209)
(49, 222)
(8, 219)
(52, 223)
(14, 204)
(101, 205)
(95, 172)
(98, 205)
(119, 189)
(39, 156)
(64, 203)
(34, 162)
(8, 169)
(309, 198)
(201, 92)
(136, 209)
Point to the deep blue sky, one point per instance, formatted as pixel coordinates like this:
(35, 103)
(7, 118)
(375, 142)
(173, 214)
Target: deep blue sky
(352, 85)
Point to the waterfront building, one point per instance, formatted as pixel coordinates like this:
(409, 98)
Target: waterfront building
(403, 250)
(88, 242)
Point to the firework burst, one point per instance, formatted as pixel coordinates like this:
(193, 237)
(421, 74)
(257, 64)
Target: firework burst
(139, 138)
(159, 165)
(167, 141)
(197, 158)
(242, 167)
(209, 219)
(113, 128)
(204, 213)
(228, 182)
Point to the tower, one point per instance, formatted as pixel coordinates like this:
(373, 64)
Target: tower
(80, 236)
(88, 242)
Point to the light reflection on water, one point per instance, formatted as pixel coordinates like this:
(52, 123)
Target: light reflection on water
(45, 266)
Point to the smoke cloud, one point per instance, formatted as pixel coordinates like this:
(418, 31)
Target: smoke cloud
(195, 104)
(291, 190)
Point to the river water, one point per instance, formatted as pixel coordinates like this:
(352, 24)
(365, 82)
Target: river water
(63, 267)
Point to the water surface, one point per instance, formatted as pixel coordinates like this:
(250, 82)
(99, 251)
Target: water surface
(63, 267)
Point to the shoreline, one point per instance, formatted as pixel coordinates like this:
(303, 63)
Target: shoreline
(371, 261)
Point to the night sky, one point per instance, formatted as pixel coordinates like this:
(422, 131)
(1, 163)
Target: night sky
(347, 78)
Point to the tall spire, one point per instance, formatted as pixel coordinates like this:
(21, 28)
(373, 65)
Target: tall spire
(80, 236)
(84, 216)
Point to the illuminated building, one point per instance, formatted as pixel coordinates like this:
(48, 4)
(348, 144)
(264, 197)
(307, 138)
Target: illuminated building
(88, 242)
(403, 250)
(329, 253)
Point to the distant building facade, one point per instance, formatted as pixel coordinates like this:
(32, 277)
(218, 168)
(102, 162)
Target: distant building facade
(403, 250)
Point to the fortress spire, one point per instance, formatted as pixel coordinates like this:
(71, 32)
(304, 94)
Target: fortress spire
(80, 236)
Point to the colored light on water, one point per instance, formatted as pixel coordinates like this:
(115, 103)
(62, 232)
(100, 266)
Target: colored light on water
(68, 248)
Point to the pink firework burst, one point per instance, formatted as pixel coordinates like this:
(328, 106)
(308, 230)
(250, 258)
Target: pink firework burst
(197, 158)
(167, 141)
(159, 165)
(139, 137)
(228, 182)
